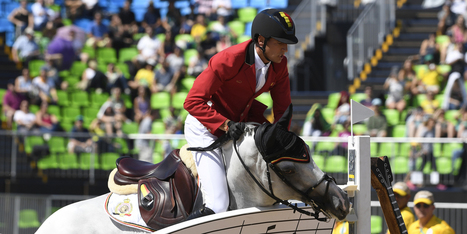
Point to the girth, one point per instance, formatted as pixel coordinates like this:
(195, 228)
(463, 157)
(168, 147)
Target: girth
(131, 170)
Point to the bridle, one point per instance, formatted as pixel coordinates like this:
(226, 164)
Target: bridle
(316, 206)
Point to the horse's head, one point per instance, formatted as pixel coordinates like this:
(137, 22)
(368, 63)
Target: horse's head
(289, 157)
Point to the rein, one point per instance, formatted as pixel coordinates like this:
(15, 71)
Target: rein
(270, 193)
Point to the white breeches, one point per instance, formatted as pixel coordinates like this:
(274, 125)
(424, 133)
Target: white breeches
(210, 165)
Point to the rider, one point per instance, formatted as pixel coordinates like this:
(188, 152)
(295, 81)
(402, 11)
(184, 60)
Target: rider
(223, 98)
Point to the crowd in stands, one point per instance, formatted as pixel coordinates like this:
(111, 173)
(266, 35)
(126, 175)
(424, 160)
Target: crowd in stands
(79, 46)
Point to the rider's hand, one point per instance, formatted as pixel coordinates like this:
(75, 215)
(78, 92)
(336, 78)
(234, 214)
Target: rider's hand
(235, 129)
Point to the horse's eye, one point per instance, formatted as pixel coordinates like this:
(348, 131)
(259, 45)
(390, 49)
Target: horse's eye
(288, 171)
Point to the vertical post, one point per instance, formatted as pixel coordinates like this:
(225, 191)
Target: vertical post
(350, 58)
(362, 177)
(16, 208)
(13, 157)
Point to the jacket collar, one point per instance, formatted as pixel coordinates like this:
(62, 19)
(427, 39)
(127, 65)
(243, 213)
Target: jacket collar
(250, 54)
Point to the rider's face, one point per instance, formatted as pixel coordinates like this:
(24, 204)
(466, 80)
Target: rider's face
(275, 49)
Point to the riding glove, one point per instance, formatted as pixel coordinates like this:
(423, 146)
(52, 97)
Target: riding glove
(235, 129)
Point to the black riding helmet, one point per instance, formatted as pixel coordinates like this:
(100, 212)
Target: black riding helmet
(276, 24)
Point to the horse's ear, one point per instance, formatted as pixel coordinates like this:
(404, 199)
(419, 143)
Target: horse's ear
(284, 121)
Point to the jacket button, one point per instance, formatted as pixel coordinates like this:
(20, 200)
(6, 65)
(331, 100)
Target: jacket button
(241, 114)
(209, 130)
(248, 105)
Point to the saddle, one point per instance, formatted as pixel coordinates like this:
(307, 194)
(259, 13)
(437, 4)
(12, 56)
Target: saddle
(167, 191)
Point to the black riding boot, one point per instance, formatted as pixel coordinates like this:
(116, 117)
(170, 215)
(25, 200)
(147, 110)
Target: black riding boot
(200, 213)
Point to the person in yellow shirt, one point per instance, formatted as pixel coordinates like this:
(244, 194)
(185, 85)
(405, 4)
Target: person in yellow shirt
(402, 195)
(427, 222)
(145, 77)
(341, 227)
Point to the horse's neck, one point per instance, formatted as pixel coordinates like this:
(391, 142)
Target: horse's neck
(244, 192)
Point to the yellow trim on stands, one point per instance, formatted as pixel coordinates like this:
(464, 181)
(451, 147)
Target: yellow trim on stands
(389, 39)
(352, 89)
(378, 54)
(374, 62)
(357, 83)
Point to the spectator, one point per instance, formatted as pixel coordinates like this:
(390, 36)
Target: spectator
(342, 147)
(91, 8)
(46, 122)
(455, 94)
(166, 79)
(446, 18)
(222, 8)
(148, 47)
(223, 43)
(119, 34)
(111, 115)
(430, 104)
(141, 104)
(176, 61)
(402, 195)
(46, 87)
(407, 74)
(61, 50)
(204, 7)
(21, 17)
(209, 46)
(152, 18)
(429, 47)
(145, 77)
(427, 222)
(462, 127)
(25, 48)
(199, 29)
(98, 33)
(455, 58)
(41, 15)
(377, 124)
(173, 18)
(315, 123)
(342, 112)
(24, 119)
(92, 78)
(458, 30)
(145, 147)
(80, 139)
(197, 64)
(168, 45)
(396, 87)
(127, 16)
(427, 130)
(173, 123)
(74, 9)
(368, 96)
(116, 79)
(221, 27)
(443, 127)
(11, 103)
(52, 73)
(428, 81)
(23, 84)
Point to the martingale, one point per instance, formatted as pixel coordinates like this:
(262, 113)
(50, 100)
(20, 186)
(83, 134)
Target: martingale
(381, 179)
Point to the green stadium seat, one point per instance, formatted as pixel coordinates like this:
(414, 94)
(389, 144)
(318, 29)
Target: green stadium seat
(130, 128)
(161, 37)
(31, 141)
(319, 160)
(442, 40)
(266, 99)
(79, 99)
(178, 99)
(399, 131)
(67, 126)
(106, 55)
(160, 100)
(127, 100)
(35, 67)
(426, 169)
(90, 113)
(90, 51)
(34, 108)
(333, 100)
(451, 116)
(376, 224)
(121, 146)
(374, 149)
(188, 54)
(77, 68)
(328, 114)
(68, 161)
(404, 149)
(184, 38)
(69, 114)
(243, 38)
(400, 165)
(335, 164)
(457, 166)
(324, 146)
(102, 67)
(419, 69)
(444, 165)
(440, 98)
(55, 110)
(127, 54)
(63, 98)
(443, 68)
(123, 68)
(358, 97)
(449, 148)
(57, 144)
(246, 14)
(108, 161)
(98, 99)
(28, 218)
(419, 98)
(85, 161)
(158, 128)
(48, 162)
(388, 149)
(187, 83)
(392, 116)
(360, 129)
(237, 26)
(157, 157)
(437, 149)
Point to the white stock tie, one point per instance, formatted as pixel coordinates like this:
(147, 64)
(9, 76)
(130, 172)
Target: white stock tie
(262, 78)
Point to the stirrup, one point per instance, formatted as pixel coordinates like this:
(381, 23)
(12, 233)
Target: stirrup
(204, 211)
